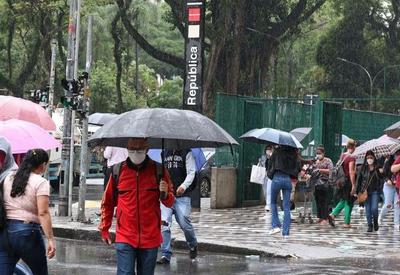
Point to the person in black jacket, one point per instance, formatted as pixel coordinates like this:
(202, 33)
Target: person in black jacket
(285, 164)
(369, 179)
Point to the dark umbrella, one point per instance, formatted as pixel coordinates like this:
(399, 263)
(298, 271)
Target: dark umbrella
(301, 133)
(101, 118)
(269, 135)
(164, 128)
(393, 131)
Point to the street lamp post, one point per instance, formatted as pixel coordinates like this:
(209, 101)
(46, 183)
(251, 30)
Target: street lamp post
(371, 80)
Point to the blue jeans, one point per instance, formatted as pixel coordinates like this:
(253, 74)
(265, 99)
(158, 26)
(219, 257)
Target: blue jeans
(371, 207)
(181, 209)
(391, 198)
(26, 243)
(280, 182)
(128, 257)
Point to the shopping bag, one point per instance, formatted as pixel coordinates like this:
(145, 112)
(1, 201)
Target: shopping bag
(257, 174)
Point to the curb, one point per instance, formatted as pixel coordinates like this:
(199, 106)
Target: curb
(93, 235)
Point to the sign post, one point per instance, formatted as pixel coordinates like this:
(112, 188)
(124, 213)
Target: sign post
(193, 87)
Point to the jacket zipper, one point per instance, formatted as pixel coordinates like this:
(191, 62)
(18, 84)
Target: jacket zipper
(137, 205)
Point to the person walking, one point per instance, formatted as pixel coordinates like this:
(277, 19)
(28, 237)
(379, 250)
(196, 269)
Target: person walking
(26, 203)
(113, 155)
(285, 164)
(395, 169)
(347, 191)
(389, 193)
(182, 167)
(369, 180)
(263, 162)
(136, 193)
(324, 165)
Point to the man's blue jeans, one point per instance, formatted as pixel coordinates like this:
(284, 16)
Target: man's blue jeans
(26, 243)
(280, 182)
(181, 209)
(371, 207)
(128, 257)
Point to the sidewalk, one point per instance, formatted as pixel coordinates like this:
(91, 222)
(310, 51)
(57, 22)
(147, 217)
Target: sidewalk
(243, 231)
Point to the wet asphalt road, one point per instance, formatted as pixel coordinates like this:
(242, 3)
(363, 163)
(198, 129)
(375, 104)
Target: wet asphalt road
(87, 258)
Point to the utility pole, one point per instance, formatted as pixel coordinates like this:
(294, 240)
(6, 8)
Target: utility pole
(76, 64)
(85, 110)
(137, 63)
(52, 76)
(66, 149)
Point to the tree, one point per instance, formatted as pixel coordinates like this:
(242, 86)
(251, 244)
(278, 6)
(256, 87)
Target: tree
(238, 59)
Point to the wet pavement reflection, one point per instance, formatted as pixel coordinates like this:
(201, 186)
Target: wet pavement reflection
(79, 257)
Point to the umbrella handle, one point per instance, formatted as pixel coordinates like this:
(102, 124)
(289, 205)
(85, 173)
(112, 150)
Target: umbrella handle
(163, 195)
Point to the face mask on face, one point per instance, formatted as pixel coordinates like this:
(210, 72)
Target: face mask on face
(320, 156)
(370, 161)
(137, 156)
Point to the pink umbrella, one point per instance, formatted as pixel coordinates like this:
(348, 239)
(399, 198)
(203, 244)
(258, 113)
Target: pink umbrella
(18, 108)
(24, 136)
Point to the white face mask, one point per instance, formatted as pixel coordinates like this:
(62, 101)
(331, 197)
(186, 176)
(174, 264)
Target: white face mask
(320, 156)
(268, 153)
(137, 156)
(370, 161)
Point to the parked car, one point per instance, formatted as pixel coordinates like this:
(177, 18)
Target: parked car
(205, 173)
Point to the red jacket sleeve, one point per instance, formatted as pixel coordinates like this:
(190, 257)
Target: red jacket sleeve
(107, 209)
(170, 199)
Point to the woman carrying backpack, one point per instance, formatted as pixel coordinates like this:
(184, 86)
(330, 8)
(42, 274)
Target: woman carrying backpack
(26, 202)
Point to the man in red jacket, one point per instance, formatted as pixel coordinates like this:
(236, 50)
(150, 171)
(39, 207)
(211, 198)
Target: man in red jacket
(137, 198)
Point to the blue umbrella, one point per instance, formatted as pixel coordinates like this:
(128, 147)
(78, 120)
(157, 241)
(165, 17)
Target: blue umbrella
(269, 135)
(198, 154)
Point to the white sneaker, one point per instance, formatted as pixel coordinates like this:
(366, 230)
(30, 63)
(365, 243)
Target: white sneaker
(267, 208)
(274, 231)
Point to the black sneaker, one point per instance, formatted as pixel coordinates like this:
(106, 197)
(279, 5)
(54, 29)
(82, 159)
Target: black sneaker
(193, 253)
(163, 261)
(369, 228)
(331, 221)
(376, 225)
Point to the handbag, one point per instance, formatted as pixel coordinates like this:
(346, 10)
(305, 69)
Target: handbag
(257, 174)
(363, 196)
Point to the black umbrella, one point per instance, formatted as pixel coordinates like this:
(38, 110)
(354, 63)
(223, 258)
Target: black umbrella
(393, 131)
(101, 118)
(164, 128)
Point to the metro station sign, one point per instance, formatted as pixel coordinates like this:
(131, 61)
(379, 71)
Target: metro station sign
(193, 88)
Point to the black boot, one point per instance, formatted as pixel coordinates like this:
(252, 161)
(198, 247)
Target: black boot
(376, 225)
(370, 229)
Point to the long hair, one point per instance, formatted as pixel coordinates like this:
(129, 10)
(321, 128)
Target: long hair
(33, 159)
(365, 164)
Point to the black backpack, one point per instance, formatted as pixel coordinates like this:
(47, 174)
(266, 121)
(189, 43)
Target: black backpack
(116, 169)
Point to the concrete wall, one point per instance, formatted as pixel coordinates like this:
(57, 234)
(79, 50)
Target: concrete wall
(223, 187)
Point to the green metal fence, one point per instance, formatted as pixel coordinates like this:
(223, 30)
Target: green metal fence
(238, 114)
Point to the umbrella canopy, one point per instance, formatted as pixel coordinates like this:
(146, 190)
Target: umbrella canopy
(345, 139)
(24, 136)
(394, 148)
(301, 133)
(168, 128)
(18, 108)
(269, 135)
(380, 147)
(101, 118)
(393, 131)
